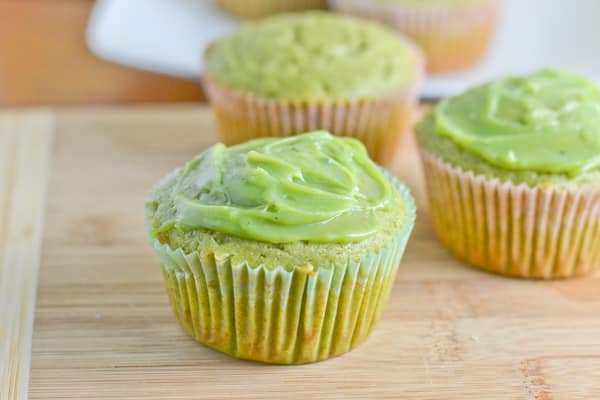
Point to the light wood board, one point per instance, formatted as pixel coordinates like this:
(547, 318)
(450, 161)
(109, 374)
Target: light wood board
(25, 142)
(104, 329)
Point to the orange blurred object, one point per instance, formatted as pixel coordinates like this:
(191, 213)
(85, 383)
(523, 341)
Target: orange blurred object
(44, 61)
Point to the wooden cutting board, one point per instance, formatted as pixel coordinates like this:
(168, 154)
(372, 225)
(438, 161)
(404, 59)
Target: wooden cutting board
(104, 330)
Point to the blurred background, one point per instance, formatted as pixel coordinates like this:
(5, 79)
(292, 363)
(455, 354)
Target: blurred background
(45, 60)
(86, 52)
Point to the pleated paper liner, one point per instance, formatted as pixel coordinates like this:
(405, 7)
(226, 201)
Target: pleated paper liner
(284, 315)
(380, 123)
(262, 8)
(513, 230)
(452, 39)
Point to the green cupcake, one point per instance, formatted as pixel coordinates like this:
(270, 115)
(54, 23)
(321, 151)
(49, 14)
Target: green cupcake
(431, 3)
(280, 250)
(262, 8)
(299, 72)
(513, 170)
(453, 34)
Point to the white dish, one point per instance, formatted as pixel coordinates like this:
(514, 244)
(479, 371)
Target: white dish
(161, 36)
(169, 37)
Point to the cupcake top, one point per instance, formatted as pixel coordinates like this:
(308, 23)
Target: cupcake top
(546, 123)
(313, 187)
(313, 56)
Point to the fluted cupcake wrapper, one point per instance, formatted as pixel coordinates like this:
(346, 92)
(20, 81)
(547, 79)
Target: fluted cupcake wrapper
(283, 315)
(513, 230)
(380, 123)
(452, 38)
(261, 8)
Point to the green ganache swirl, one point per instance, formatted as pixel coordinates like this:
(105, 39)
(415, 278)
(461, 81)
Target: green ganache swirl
(312, 56)
(312, 187)
(548, 122)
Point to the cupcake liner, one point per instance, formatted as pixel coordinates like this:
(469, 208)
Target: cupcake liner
(284, 315)
(261, 8)
(510, 229)
(380, 123)
(452, 38)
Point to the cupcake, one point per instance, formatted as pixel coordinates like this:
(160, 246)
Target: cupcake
(280, 250)
(295, 73)
(513, 175)
(454, 34)
(262, 8)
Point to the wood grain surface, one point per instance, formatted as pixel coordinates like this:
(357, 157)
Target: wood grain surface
(104, 329)
(25, 142)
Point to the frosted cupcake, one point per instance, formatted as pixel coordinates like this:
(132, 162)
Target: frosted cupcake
(280, 250)
(262, 8)
(454, 34)
(513, 174)
(299, 72)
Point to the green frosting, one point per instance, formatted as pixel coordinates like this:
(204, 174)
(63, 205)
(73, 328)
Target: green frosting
(312, 56)
(548, 122)
(446, 149)
(313, 187)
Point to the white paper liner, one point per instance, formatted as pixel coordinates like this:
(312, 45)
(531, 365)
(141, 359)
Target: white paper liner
(512, 229)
